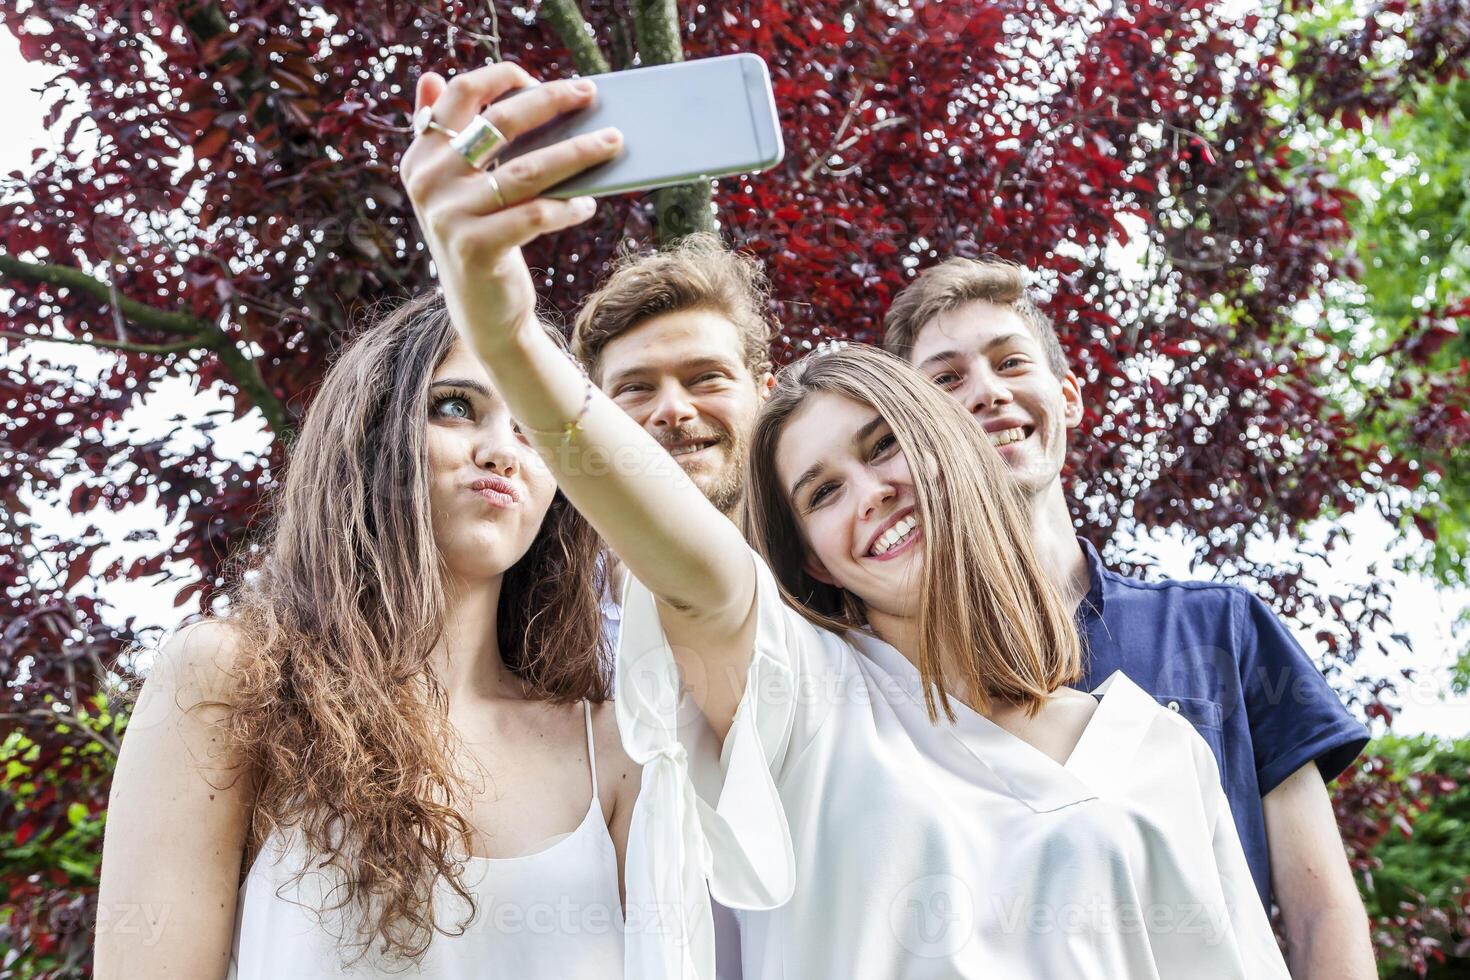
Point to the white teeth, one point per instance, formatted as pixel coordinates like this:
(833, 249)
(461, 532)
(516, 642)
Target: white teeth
(1007, 436)
(895, 535)
(686, 450)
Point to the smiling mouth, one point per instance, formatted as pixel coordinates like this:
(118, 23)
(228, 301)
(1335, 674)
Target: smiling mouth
(895, 537)
(1006, 437)
(692, 448)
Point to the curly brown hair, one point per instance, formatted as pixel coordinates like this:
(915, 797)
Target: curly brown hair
(337, 711)
(698, 273)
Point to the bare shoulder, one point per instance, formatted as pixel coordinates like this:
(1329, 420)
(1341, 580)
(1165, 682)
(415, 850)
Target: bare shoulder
(198, 663)
(1070, 707)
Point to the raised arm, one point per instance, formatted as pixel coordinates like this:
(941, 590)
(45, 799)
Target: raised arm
(670, 537)
(176, 823)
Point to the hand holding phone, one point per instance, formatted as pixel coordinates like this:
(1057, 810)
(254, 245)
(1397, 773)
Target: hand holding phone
(691, 120)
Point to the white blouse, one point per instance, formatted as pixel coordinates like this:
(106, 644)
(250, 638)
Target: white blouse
(856, 839)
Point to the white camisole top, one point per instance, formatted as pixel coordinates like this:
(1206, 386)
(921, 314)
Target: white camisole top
(554, 914)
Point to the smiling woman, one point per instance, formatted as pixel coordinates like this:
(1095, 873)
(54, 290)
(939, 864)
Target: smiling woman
(940, 792)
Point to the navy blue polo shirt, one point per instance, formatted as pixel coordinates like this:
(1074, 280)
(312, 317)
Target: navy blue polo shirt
(1219, 656)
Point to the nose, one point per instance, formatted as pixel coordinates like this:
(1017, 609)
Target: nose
(986, 390)
(672, 408)
(872, 493)
(495, 450)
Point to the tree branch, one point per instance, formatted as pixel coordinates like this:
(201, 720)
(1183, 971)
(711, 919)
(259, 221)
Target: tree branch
(149, 317)
(656, 28)
(566, 19)
(46, 714)
(244, 371)
(129, 346)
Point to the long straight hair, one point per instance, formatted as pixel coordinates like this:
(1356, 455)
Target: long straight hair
(339, 714)
(991, 623)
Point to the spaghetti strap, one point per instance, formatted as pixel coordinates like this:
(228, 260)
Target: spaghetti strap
(591, 746)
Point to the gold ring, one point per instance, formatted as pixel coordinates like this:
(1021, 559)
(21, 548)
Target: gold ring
(495, 187)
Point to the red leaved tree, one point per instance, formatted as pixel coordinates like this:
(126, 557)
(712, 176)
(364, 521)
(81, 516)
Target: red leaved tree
(224, 207)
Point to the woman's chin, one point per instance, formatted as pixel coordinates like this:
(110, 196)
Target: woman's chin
(484, 566)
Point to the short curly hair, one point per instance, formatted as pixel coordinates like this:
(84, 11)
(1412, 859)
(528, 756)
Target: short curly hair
(698, 273)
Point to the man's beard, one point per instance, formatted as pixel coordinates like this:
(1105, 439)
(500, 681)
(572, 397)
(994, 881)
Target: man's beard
(726, 487)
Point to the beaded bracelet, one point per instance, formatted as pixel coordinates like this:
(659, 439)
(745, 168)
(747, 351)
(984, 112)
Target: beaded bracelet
(570, 429)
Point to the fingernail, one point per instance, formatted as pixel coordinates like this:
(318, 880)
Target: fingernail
(583, 87)
(609, 135)
(584, 205)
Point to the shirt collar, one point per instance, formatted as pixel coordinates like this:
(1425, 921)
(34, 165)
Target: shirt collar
(1097, 574)
(1025, 772)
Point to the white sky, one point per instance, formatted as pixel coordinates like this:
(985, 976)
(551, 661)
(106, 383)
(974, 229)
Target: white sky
(1423, 612)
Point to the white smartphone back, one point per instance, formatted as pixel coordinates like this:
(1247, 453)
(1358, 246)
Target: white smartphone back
(692, 120)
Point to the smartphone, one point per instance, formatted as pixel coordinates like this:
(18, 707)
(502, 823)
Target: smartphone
(691, 120)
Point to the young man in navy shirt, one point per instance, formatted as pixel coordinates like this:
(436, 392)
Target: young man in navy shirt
(1214, 653)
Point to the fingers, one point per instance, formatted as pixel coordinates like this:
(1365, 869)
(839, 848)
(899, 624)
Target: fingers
(519, 115)
(429, 88)
(527, 177)
(457, 205)
(466, 216)
(519, 225)
(465, 94)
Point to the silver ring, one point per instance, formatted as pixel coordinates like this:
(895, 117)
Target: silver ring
(423, 121)
(495, 187)
(478, 142)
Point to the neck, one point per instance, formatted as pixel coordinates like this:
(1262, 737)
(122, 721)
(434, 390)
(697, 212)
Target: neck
(468, 654)
(1055, 541)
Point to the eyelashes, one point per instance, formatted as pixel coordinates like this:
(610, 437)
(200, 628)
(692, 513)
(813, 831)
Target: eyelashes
(880, 448)
(450, 395)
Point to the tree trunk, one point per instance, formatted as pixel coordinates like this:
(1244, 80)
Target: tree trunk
(684, 208)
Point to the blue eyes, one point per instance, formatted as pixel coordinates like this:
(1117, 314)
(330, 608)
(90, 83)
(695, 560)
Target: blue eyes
(437, 405)
(438, 408)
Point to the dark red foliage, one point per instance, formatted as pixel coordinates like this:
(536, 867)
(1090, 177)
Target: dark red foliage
(1359, 73)
(1372, 805)
(246, 179)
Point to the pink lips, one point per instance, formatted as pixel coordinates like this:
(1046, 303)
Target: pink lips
(893, 519)
(497, 491)
(893, 553)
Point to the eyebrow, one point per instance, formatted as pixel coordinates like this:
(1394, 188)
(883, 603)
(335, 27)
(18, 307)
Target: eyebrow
(474, 386)
(813, 470)
(946, 355)
(695, 364)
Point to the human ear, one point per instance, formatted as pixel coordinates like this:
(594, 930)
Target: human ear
(1072, 399)
(817, 570)
(765, 385)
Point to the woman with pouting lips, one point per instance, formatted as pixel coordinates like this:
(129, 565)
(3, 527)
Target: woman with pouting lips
(394, 752)
(907, 787)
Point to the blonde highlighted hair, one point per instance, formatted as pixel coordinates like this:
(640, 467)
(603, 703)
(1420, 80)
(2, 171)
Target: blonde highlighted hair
(992, 626)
